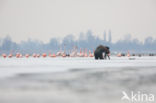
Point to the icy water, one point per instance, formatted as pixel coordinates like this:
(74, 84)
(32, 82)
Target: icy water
(75, 80)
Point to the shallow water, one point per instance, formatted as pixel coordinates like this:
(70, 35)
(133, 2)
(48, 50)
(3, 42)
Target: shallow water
(75, 80)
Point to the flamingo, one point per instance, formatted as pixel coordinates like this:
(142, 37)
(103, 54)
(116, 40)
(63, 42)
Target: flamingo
(90, 54)
(58, 53)
(63, 55)
(38, 55)
(4, 55)
(10, 55)
(50, 55)
(27, 55)
(53, 55)
(34, 55)
(119, 55)
(17, 55)
(85, 53)
(128, 54)
(44, 55)
(20, 55)
(81, 54)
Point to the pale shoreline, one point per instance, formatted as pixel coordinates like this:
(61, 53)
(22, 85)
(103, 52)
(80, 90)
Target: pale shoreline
(10, 67)
(95, 84)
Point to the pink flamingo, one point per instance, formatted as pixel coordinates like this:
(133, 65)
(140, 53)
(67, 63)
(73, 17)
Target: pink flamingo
(10, 55)
(38, 55)
(34, 55)
(90, 54)
(53, 55)
(4, 55)
(119, 55)
(27, 55)
(128, 54)
(44, 55)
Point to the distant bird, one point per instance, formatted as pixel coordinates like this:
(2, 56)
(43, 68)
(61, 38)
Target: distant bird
(27, 55)
(53, 55)
(4, 55)
(10, 55)
(18, 55)
(63, 55)
(128, 54)
(119, 55)
(50, 55)
(34, 55)
(44, 55)
(38, 55)
(90, 54)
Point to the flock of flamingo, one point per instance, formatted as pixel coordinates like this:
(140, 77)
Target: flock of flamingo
(58, 54)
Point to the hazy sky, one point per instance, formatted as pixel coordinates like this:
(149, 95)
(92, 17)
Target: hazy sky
(43, 19)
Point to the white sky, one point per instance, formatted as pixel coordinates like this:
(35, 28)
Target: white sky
(43, 19)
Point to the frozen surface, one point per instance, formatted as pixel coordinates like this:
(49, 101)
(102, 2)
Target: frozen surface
(10, 67)
(74, 80)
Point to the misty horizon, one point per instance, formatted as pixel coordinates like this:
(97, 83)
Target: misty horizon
(84, 41)
(104, 36)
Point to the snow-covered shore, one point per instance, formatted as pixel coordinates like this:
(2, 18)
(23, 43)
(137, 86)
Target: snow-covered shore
(74, 80)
